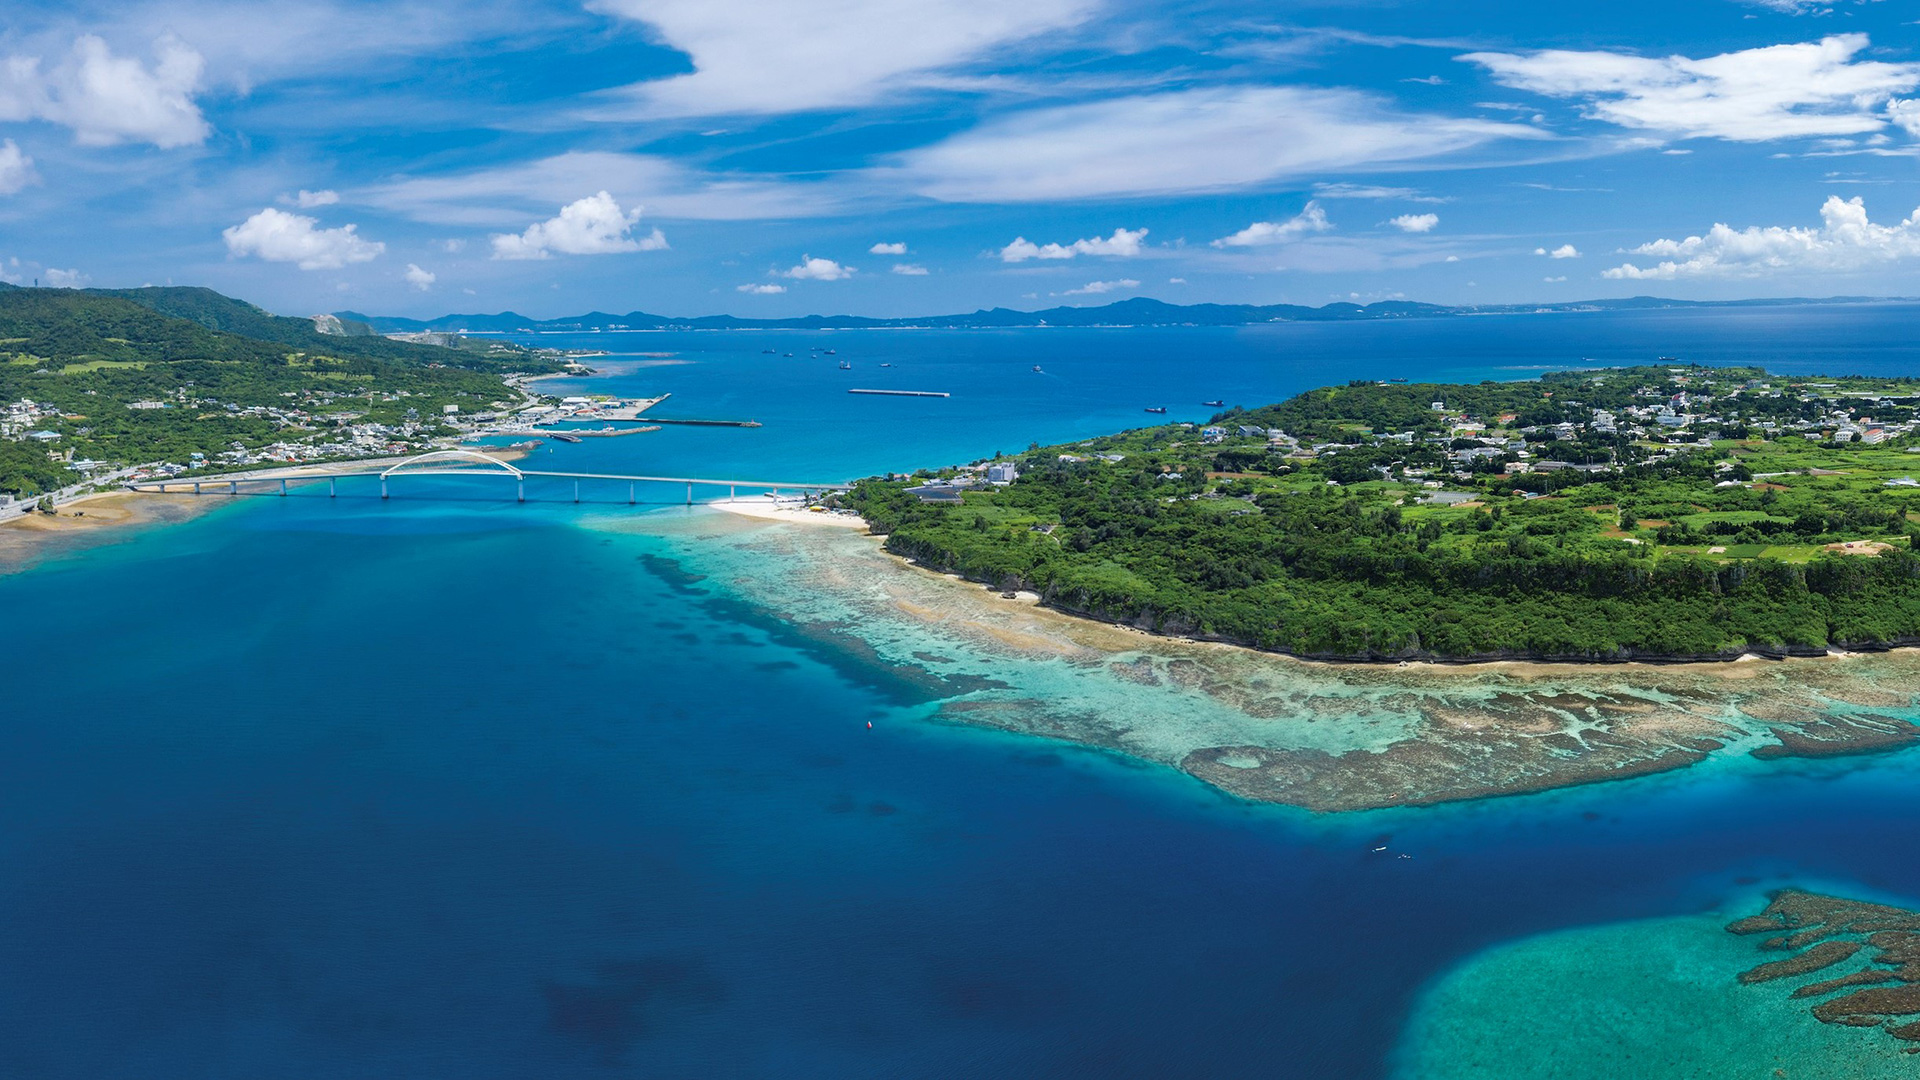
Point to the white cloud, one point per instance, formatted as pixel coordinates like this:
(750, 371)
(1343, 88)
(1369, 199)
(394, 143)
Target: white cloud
(277, 236)
(1845, 241)
(1551, 280)
(1176, 281)
(594, 225)
(780, 57)
(1312, 219)
(1453, 258)
(453, 247)
(1906, 113)
(16, 168)
(812, 269)
(107, 99)
(418, 278)
(1372, 191)
(504, 196)
(308, 200)
(1564, 251)
(67, 279)
(1213, 139)
(1095, 288)
(1123, 243)
(760, 290)
(1801, 7)
(888, 249)
(1756, 95)
(1415, 223)
(910, 269)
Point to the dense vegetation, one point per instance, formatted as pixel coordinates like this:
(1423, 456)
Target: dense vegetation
(228, 374)
(1677, 546)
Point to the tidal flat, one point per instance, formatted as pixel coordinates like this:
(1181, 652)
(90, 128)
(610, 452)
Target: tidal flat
(1269, 728)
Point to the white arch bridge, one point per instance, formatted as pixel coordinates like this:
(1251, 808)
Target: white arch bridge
(447, 463)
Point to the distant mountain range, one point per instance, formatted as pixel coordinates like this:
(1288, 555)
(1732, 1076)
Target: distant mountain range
(1140, 311)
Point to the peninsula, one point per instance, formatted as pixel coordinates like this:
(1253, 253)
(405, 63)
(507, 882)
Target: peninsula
(1666, 512)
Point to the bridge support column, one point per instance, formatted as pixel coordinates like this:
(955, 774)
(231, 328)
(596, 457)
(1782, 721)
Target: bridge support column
(522, 485)
(689, 493)
(576, 491)
(383, 487)
(332, 487)
(283, 487)
(196, 487)
(233, 487)
(730, 492)
(629, 494)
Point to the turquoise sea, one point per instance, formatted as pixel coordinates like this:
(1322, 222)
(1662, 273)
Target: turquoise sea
(448, 786)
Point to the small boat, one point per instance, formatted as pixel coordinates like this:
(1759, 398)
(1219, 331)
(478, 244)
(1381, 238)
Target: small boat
(1158, 410)
(1396, 380)
(767, 352)
(829, 352)
(844, 366)
(886, 365)
(1037, 371)
(786, 354)
(1214, 404)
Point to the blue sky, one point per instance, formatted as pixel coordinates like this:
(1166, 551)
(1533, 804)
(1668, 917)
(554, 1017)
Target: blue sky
(923, 156)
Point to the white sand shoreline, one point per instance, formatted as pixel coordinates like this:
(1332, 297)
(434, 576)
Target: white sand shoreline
(794, 511)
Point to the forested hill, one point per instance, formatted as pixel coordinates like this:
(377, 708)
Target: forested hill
(1658, 512)
(95, 379)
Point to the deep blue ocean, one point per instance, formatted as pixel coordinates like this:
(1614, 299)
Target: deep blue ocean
(447, 786)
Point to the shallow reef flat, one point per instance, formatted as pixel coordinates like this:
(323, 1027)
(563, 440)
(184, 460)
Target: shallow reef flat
(1326, 737)
(1683, 997)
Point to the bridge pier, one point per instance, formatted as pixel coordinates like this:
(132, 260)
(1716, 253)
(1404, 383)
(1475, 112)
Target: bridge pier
(522, 485)
(233, 487)
(196, 487)
(332, 487)
(383, 487)
(689, 493)
(576, 491)
(730, 492)
(283, 487)
(629, 494)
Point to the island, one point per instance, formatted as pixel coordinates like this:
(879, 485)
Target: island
(1667, 512)
(99, 386)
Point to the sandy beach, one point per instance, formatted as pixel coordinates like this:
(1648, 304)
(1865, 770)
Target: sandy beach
(89, 522)
(792, 511)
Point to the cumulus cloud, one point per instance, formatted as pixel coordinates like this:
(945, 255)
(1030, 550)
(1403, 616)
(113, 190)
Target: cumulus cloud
(812, 269)
(1123, 243)
(67, 279)
(792, 57)
(1845, 241)
(308, 200)
(888, 249)
(1755, 95)
(760, 290)
(277, 236)
(1564, 251)
(1186, 141)
(1095, 288)
(1415, 223)
(418, 278)
(594, 225)
(16, 168)
(1312, 219)
(106, 99)
(910, 269)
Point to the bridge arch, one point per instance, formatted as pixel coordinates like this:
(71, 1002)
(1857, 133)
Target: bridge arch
(451, 456)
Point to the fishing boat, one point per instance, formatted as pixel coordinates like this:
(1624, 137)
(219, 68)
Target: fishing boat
(1158, 410)
(845, 366)
(1037, 371)
(886, 365)
(1214, 404)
